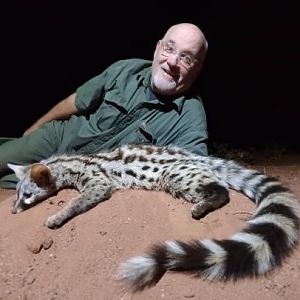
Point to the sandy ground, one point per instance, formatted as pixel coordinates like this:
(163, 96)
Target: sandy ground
(81, 259)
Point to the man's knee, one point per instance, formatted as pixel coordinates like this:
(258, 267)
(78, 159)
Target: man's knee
(7, 152)
(8, 181)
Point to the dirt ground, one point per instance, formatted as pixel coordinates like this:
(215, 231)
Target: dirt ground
(81, 259)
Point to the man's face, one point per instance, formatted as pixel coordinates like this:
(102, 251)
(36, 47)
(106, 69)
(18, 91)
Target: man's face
(175, 64)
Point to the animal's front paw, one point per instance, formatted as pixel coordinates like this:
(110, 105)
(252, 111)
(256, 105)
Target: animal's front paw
(53, 222)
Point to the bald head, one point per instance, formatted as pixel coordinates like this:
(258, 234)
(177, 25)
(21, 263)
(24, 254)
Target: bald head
(191, 36)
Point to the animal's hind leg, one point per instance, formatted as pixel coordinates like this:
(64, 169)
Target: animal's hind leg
(78, 205)
(196, 184)
(210, 197)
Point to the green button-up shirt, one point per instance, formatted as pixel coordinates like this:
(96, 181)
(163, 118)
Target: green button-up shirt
(117, 107)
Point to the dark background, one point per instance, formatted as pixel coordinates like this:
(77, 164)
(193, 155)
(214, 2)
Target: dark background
(249, 84)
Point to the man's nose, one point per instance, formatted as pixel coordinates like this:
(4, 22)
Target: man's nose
(173, 60)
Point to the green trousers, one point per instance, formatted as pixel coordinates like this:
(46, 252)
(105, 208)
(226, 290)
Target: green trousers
(38, 145)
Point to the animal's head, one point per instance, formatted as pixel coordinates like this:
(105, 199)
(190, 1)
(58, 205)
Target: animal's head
(35, 184)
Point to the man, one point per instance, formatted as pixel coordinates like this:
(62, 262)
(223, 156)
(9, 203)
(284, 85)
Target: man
(132, 101)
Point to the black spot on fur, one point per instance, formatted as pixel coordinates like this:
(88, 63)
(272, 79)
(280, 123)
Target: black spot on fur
(85, 180)
(116, 173)
(149, 150)
(198, 190)
(171, 152)
(179, 194)
(119, 156)
(71, 172)
(159, 151)
(142, 158)
(172, 160)
(179, 179)
(204, 177)
(174, 175)
(131, 173)
(129, 158)
(104, 172)
(186, 191)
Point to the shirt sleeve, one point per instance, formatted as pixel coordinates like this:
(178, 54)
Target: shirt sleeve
(89, 96)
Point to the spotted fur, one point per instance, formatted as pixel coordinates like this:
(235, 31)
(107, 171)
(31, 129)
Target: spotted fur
(269, 236)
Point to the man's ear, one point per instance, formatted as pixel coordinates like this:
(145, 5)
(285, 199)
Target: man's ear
(156, 48)
(19, 170)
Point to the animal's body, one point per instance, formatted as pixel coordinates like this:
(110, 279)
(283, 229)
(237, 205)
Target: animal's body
(269, 236)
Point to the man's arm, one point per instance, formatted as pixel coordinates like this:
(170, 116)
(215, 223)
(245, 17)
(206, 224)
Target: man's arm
(62, 110)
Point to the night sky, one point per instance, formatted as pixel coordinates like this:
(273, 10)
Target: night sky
(249, 84)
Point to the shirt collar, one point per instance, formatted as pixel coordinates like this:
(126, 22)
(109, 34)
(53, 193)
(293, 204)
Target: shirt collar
(144, 79)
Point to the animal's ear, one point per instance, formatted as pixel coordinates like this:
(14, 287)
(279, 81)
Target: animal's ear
(19, 170)
(41, 174)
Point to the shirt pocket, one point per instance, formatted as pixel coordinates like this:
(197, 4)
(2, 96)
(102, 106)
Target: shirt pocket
(112, 110)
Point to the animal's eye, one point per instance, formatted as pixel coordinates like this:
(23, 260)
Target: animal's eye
(27, 195)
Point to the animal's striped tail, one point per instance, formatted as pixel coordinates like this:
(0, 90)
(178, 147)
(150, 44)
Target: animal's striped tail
(267, 239)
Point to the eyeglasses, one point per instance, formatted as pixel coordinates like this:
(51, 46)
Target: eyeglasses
(185, 59)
